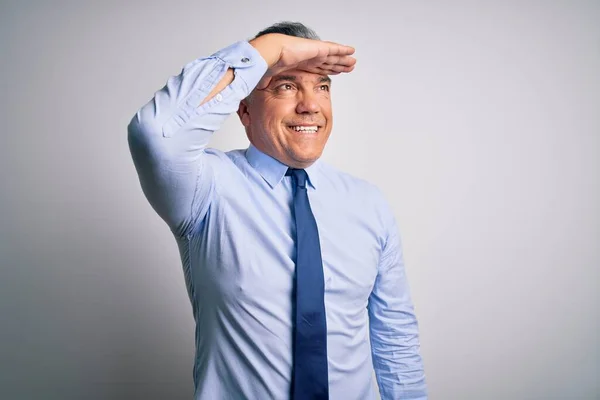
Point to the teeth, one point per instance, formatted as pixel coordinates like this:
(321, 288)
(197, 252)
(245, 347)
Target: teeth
(304, 128)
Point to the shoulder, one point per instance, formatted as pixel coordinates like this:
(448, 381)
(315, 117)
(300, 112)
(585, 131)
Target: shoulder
(365, 195)
(344, 182)
(224, 162)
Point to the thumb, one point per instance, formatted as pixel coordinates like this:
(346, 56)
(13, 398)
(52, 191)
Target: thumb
(264, 82)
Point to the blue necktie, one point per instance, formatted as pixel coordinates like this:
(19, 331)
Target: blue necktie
(310, 379)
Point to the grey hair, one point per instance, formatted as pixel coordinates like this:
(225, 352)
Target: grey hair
(291, 29)
(287, 28)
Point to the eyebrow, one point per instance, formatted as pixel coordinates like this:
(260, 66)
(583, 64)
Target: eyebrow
(280, 78)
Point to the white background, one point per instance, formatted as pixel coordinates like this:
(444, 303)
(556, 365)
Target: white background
(479, 120)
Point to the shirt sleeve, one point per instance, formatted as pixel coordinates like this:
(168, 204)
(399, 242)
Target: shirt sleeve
(393, 327)
(168, 136)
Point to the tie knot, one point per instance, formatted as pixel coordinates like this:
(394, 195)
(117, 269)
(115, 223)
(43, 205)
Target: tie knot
(299, 175)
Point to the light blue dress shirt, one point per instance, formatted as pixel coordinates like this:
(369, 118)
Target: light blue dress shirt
(231, 214)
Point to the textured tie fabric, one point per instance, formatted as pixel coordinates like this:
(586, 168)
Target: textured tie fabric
(310, 378)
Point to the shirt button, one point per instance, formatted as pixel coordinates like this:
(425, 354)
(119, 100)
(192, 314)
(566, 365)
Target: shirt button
(219, 97)
(245, 59)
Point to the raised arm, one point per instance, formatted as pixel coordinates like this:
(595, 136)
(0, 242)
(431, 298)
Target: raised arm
(169, 134)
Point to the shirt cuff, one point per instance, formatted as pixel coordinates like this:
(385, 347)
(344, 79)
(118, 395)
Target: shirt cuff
(246, 61)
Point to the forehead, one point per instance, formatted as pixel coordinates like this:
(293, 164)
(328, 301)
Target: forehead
(296, 75)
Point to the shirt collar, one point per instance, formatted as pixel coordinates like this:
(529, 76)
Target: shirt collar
(273, 171)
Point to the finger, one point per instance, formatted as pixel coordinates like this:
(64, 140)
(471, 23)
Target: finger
(340, 60)
(326, 71)
(316, 69)
(345, 61)
(341, 63)
(342, 68)
(339, 49)
(331, 69)
(263, 83)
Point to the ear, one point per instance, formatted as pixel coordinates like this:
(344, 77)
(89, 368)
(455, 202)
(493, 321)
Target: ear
(243, 113)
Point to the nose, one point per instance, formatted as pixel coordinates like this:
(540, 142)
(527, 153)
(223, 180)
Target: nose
(307, 103)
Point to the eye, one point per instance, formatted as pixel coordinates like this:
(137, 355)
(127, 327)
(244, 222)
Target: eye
(285, 87)
(324, 87)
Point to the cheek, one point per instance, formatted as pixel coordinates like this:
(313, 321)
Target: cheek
(326, 107)
(276, 115)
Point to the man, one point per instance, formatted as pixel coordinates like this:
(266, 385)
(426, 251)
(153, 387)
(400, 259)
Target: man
(294, 269)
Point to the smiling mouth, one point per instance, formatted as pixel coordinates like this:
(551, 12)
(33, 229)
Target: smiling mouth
(305, 128)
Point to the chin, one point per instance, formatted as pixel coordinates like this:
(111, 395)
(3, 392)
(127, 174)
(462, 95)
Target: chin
(305, 157)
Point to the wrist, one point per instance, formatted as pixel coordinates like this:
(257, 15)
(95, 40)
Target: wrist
(269, 47)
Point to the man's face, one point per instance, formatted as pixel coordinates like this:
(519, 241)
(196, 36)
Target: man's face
(280, 120)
